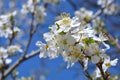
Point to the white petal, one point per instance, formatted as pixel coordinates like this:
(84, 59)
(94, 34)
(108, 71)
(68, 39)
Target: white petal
(114, 62)
(95, 59)
(8, 61)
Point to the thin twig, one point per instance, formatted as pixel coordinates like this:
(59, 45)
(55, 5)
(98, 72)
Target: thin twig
(19, 61)
(101, 70)
(86, 71)
(24, 57)
(12, 36)
(99, 12)
(104, 75)
(30, 34)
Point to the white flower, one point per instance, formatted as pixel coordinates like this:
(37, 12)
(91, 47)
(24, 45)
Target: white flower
(65, 25)
(100, 38)
(39, 10)
(106, 64)
(95, 52)
(114, 62)
(40, 14)
(84, 14)
(5, 32)
(112, 9)
(14, 48)
(5, 24)
(4, 55)
(48, 36)
(103, 3)
(3, 52)
(91, 49)
(43, 50)
(29, 7)
(16, 29)
(51, 1)
(47, 50)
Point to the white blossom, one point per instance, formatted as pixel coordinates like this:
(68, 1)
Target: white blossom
(29, 7)
(103, 3)
(3, 52)
(40, 14)
(83, 14)
(112, 9)
(67, 37)
(106, 64)
(32, 7)
(14, 48)
(4, 55)
(109, 9)
(51, 1)
(5, 24)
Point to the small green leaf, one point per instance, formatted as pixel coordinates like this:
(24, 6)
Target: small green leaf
(4, 27)
(62, 33)
(11, 18)
(58, 27)
(88, 41)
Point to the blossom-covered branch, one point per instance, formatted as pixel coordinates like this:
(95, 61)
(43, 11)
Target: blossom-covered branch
(78, 40)
(18, 62)
(81, 38)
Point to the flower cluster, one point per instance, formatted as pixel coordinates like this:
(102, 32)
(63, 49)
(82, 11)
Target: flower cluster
(84, 14)
(6, 24)
(32, 6)
(6, 53)
(106, 64)
(75, 42)
(29, 6)
(51, 1)
(110, 9)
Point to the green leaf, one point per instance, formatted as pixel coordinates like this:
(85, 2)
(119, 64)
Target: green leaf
(88, 41)
(62, 33)
(4, 27)
(58, 27)
(11, 18)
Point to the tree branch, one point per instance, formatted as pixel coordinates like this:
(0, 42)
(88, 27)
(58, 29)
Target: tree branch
(18, 62)
(12, 35)
(23, 57)
(30, 34)
(99, 12)
(86, 71)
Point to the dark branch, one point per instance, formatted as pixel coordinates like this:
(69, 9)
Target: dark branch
(19, 61)
(86, 71)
